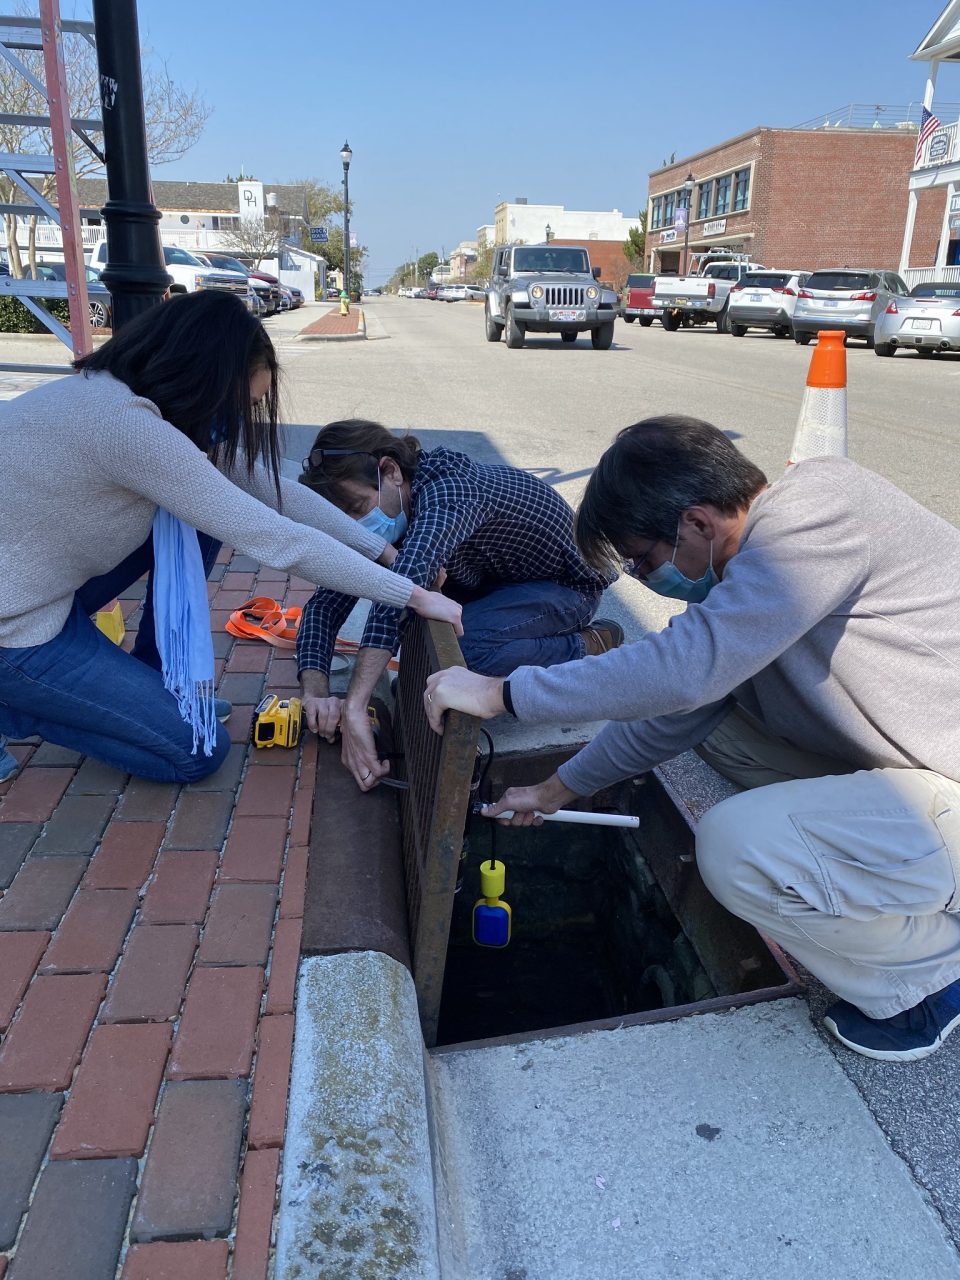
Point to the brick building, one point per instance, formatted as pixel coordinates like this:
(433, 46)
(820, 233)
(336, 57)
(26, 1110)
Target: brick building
(804, 197)
(608, 255)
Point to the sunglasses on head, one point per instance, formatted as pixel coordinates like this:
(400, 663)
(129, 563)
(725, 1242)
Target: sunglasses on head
(316, 459)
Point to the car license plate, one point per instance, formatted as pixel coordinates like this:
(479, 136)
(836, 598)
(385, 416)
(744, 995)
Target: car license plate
(756, 297)
(922, 324)
(681, 302)
(830, 302)
(567, 315)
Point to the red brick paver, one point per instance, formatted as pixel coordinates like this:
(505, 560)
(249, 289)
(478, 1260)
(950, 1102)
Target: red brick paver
(110, 1108)
(169, 1260)
(333, 324)
(148, 967)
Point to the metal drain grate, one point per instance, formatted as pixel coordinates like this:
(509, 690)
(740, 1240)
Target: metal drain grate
(439, 770)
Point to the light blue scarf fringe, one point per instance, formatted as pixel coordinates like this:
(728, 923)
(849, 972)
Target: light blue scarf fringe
(182, 619)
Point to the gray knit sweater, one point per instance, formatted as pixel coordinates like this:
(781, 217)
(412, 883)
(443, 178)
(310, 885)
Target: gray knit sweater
(837, 623)
(85, 464)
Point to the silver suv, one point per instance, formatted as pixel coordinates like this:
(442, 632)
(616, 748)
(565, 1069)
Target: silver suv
(847, 298)
(548, 288)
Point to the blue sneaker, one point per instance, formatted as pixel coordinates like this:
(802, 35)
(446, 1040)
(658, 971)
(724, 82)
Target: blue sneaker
(9, 764)
(907, 1036)
(222, 709)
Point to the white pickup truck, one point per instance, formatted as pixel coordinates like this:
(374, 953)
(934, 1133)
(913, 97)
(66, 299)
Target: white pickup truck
(701, 296)
(187, 272)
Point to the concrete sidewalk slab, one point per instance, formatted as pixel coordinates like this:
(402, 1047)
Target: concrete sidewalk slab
(726, 1145)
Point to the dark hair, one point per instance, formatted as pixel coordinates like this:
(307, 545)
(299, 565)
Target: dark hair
(193, 357)
(324, 473)
(652, 473)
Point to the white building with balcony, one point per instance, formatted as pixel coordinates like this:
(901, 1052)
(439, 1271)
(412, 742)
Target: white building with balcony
(938, 160)
(199, 216)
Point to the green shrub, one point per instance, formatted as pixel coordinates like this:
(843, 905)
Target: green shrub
(16, 318)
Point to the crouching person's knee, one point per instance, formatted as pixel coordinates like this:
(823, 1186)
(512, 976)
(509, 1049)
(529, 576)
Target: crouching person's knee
(195, 767)
(724, 852)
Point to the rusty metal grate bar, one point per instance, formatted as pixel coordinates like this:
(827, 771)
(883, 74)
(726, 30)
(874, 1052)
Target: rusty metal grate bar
(434, 809)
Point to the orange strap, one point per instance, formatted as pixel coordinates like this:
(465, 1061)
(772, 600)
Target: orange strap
(262, 618)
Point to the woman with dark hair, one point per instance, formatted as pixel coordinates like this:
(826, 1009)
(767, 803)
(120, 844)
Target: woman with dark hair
(499, 540)
(168, 429)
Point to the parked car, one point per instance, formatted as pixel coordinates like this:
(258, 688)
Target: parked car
(452, 293)
(548, 288)
(255, 304)
(636, 301)
(432, 292)
(701, 295)
(927, 320)
(765, 300)
(188, 272)
(851, 299)
(296, 296)
(333, 294)
(477, 291)
(262, 288)
(99, 302)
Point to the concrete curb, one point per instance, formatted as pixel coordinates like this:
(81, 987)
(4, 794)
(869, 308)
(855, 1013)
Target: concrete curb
(336, 337)
(357, 1196)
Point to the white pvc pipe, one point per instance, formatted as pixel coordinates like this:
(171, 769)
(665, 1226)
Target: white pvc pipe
(574, 815)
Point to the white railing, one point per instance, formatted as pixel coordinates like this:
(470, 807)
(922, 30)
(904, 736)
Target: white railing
(923, 275)
(942, 147)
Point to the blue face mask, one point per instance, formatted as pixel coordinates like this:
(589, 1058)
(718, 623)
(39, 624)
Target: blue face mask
(667, 580)
(390, 528)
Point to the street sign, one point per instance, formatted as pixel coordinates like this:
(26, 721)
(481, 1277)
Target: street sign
(319, 235)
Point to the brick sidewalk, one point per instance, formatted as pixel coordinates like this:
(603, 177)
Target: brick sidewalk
(334, 325)
(149, 940)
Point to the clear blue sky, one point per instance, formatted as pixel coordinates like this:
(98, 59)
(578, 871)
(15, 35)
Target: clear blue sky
(449, 108)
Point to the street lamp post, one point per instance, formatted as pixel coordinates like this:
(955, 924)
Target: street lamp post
(548, 232)
(346, 155)
(688, 188)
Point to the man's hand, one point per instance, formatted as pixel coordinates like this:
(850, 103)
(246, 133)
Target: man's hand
(462, 690)
(321, 712)
(387, 556)
(322, 715)
(359, 751)
(526, 802)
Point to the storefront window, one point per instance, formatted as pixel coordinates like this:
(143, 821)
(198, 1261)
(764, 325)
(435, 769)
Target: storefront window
(669, 204)
(723, 195)
(704, 196)
(656, 212)
(741, 189)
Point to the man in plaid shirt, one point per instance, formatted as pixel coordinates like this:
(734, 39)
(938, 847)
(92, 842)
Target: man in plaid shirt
(498, 539)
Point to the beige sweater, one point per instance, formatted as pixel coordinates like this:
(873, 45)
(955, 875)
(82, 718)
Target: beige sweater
(84, 465)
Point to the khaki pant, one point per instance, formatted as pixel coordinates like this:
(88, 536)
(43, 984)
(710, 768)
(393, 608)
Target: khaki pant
(856, 874)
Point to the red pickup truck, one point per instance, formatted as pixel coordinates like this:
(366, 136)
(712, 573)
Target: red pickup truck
(636, 301)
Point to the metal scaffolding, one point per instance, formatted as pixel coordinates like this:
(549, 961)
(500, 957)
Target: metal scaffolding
(45, 34)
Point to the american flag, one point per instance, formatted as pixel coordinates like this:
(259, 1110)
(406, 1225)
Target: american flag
(929, 124)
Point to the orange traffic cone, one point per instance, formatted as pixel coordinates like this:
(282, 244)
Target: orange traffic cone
(822, 426)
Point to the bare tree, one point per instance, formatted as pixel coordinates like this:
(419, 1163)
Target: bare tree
(251, 238)
(174, 116)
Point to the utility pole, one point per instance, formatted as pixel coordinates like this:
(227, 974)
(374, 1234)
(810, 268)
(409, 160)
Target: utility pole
(135, 273)
(416, 268)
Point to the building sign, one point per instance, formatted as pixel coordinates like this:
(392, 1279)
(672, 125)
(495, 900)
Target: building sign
(668, 237)
(955, 202)
(938, 147)
(251, 201)
(955, 222)
(715, 228)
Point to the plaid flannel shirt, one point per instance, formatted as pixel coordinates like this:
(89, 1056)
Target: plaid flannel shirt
(486, 525)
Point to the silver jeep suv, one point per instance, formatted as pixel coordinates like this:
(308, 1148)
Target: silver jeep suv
(548, 288)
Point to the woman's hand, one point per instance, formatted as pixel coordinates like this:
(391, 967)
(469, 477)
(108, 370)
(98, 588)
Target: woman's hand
(462, 690)
(527, 802)
(431, 604)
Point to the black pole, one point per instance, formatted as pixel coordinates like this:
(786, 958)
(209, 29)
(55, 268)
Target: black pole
(135, 273)
(346, 225)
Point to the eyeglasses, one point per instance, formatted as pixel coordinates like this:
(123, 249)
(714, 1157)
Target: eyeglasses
(634, 567)
(316, 458)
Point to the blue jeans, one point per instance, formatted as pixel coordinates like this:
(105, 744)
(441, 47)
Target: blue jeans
(82, 691)
(525, 624)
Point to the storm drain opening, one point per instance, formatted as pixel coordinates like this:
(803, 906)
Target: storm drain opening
(609, 926)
